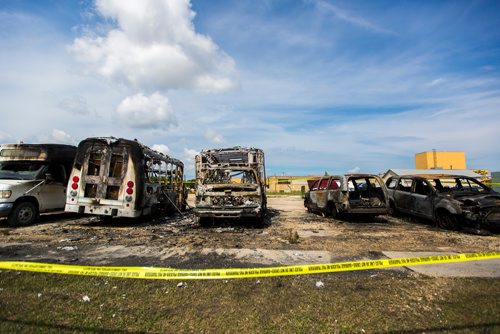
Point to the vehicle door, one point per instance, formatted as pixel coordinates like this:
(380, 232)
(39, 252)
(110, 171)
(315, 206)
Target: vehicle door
(422, 198)
(402, 194)
(52, 193)
(322, 192)
(104, 171)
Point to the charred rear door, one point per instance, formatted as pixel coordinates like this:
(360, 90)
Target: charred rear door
(104, 170)
(319, 196)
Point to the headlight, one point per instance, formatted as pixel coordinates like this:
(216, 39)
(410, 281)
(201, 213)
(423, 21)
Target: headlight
(5, 193)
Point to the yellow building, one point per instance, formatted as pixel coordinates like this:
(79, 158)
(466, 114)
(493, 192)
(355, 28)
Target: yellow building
(440, 160)
(286, 184)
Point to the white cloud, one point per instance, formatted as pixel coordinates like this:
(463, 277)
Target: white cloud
(436, 82)
(189, 155)
(214, 137)
(140, 111)
(154, 46)
(75, 105)
(353, 19)
(354, 170)
(161, 148)
(57, 137)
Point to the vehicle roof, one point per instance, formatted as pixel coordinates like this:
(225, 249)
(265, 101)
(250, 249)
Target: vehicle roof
(230, 149)
(133, 143)
(37, 152)
(343, 175)
(437, 176)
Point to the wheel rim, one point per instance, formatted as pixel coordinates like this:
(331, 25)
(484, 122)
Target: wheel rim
(25, 215)
(445, 221)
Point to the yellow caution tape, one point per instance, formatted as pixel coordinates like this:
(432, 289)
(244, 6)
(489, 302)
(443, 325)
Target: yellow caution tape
(185, 274)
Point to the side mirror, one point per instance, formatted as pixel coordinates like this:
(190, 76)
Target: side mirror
(49, 178)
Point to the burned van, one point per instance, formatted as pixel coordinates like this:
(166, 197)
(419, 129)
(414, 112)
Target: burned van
(230, 183)
(115, 177)
(33, 179)
(360, 194)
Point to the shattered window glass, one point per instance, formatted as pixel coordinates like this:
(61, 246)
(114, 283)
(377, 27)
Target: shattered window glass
(404, 185)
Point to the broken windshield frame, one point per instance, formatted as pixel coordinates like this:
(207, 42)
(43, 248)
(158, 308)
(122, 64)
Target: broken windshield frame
(21, 170)
(230, 176)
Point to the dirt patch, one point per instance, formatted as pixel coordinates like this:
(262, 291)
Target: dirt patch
(287, 229)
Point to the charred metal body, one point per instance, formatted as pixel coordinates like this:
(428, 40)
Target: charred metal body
(33, 179)
(450, 201)
(347, 194)
(120, 177)
(230, 183)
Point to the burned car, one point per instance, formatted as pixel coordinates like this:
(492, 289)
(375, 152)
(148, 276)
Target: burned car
(347, 194)
(451, 201)
(230, 183)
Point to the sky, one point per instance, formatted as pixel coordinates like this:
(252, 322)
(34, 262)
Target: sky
(319, 85)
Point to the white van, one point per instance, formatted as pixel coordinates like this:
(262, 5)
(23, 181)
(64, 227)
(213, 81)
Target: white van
(33, 179)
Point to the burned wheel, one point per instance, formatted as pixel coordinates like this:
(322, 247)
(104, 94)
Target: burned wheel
(392, 209)
(446, 220)
(331, 210)
(24, 213)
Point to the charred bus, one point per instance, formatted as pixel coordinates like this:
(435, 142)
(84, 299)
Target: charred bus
(230, 183)
(122, 178)
(33, 179)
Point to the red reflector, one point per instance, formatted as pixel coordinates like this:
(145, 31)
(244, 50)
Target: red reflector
(130, 184)
(74, 186)
(130, 191)
(76, 178)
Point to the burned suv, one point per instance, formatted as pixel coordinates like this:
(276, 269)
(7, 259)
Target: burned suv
(347, 194)
(451, 201)
(230, 183)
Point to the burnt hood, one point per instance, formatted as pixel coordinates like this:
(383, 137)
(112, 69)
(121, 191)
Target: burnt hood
(481, 200)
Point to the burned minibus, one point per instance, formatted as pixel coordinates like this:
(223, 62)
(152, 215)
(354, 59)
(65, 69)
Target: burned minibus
(230, 183)
(115, 177)
(33, 179)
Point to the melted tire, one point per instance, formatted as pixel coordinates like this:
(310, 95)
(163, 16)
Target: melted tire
(446, 221)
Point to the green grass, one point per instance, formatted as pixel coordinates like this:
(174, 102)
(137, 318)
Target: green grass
(372, 302)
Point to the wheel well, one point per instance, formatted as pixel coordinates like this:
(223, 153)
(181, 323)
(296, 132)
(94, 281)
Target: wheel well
(331, 205)
(442, 211)
(30, 199)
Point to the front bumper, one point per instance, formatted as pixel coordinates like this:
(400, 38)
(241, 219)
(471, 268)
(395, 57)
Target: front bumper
(228, 212)
(5, 209)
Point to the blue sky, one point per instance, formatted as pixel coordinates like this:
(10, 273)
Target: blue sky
(320, 85)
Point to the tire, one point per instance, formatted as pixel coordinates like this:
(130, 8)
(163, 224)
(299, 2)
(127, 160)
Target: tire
(105, 219)
(23, 214)
(446, 220)
(392, 209)
(331, 210)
